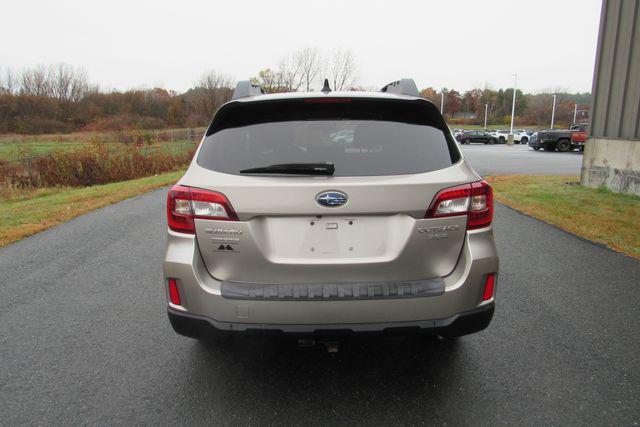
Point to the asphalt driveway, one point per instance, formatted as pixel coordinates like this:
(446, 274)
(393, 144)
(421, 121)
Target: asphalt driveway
(85, 340)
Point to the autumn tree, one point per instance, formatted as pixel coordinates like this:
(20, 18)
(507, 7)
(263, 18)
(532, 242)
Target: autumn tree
(452, 101)
(431, 94)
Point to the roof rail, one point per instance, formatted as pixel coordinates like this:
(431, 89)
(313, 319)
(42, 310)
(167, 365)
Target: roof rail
(402, 87)
(245, 88)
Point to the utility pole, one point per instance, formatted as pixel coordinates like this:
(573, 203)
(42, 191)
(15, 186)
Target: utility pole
(513, 109)
(486, 106)
(575, 113)
(553, 111)
(442, 102)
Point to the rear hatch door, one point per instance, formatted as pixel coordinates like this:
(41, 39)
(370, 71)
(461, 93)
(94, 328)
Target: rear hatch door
(363, 223)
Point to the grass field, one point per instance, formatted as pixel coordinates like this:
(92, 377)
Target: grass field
(89, 136)
(18, 150)
(595, 214)
(41, 209)
(15, 150)
(14, 146)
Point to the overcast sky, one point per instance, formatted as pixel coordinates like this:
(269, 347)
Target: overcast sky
(453, 44)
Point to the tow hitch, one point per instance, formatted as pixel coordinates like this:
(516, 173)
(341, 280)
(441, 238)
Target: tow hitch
(330, 346)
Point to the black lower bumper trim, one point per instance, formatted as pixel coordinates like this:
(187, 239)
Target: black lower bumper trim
(460, 324)
(332, 291)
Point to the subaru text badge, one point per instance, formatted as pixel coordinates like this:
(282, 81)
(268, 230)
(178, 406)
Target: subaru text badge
(331, 199)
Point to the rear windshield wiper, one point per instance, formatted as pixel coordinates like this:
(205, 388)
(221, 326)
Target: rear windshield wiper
(295, 169)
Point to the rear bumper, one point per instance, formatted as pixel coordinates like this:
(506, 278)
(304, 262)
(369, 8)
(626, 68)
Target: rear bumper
(457, 325)
(535, 144)
(203, 300)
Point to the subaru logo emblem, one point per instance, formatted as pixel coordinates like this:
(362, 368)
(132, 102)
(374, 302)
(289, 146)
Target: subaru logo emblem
(331, 199)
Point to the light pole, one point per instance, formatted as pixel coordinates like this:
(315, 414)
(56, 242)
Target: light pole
(553, 111)
(442, 102)
(513, 109)
(486, 106)
(575, 113)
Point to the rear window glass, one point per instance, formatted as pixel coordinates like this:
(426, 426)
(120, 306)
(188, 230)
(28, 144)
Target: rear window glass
(356, 147)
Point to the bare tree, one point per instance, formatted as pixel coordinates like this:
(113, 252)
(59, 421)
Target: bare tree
(36, 81)
(67, 82)
(342, 69)
(290, 74)
(9, 81)
(309, 61)
(3, 86)
(212, 90)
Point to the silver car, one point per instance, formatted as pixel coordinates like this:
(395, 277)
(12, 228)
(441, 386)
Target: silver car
(330, 211)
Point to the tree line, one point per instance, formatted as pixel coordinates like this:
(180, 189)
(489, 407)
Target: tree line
(60, 98)
(530, 109)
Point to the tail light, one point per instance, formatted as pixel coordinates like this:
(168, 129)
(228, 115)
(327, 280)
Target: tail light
(184, 204)
(474, 200)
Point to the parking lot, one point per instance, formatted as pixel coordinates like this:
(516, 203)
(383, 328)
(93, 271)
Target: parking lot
(502, 159)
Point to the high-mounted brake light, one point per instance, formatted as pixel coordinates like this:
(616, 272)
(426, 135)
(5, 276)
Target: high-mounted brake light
(184, 204)
(327, 100)
(474, 200)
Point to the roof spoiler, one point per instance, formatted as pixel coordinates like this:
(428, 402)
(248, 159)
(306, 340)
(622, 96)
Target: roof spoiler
(402, 87)
(245, 88)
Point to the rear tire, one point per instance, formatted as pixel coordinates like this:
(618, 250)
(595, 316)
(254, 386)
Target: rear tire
(524, 140)
(564, 145)
(501, 140)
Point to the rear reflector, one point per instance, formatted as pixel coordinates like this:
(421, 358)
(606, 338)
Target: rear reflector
(474, 200)
(184, 204)
(489, 285)
(174, 294)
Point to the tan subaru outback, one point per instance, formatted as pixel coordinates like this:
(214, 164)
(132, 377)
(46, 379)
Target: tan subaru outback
(320, 212)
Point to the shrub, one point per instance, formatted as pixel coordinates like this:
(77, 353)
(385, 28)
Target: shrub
(94, 164)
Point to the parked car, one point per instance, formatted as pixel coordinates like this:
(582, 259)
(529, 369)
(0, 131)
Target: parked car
(533, 141)
(500, 135)
(519, 136)
(578, 135)
(457, 132)
(563, 140)
(277, 227)
(469, 136)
